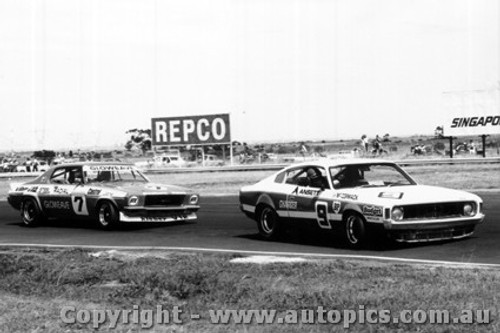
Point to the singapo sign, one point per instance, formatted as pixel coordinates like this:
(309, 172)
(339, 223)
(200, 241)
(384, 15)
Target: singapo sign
(191, 130)
(474, 112)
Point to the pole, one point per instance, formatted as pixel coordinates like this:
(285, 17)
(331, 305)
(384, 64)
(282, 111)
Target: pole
(483, 138)
(451, 146)
(231, 151)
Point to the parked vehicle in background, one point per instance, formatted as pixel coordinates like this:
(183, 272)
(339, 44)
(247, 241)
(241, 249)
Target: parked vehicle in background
(211, 160)
(162, 161)
(21, 168)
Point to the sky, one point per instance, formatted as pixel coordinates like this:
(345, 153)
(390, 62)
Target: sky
(80, 73)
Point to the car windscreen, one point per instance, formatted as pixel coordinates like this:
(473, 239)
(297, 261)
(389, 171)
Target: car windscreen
(369, 175)
(112, 173)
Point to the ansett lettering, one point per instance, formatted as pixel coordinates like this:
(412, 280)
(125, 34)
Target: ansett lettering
(305, 191)
(475, 121)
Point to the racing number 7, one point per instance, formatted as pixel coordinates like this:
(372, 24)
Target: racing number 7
(322, 215)
(79, 206)
(79, 202)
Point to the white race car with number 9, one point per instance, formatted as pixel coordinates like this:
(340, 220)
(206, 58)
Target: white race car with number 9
(355, 198)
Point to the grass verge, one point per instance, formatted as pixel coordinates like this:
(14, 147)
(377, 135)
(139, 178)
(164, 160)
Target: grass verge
(35, 285)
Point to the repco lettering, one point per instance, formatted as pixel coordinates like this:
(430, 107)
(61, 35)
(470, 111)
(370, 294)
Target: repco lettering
(191, 130)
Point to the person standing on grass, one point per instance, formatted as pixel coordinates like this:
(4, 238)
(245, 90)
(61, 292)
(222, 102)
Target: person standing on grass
(364, 143)
(34, 164)
(472, 147)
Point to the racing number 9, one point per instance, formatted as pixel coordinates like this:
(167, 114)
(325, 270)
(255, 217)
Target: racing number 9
(322, 215)
(79, 206)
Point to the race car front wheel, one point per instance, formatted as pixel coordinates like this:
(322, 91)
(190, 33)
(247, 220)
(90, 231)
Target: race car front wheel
(354, 230)
(107, 216)
(268, 223)
(30, 212)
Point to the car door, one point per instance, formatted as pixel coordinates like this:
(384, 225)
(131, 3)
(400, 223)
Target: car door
(57, 197)
(304, 196)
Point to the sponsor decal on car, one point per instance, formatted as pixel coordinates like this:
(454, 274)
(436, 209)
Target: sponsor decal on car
(305, 191)
(163, 218)
(60, 190)
(336, 206)
(22, 188)
(347, 196)
(110, 167)
(43, 190)
(94, 191)
(56, 204)
(285, 204)
(391, 195)
(33, 189)
(376, 211)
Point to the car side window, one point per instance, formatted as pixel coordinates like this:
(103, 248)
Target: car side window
(292, 176)
(280, 177)
(316, 177)
(311, 176)
(69, 175)
(59, 176)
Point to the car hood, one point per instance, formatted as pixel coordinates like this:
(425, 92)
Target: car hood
(142, 188)
(407, 195)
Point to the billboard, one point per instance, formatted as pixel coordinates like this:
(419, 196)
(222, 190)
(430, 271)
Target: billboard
(474, 112)
(191, 130)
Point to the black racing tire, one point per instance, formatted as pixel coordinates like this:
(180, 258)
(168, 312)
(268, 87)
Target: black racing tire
(107, 215)
(354, 230)
(269, 223)
(31, 213)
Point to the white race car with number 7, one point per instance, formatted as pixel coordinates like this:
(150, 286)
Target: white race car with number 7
(356, 198)
(108, 193)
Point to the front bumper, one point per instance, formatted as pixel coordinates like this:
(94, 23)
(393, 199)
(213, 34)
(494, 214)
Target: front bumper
(432, 230)
(166, 218)
(163, 215)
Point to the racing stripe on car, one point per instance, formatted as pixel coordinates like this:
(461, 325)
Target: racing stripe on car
(248, 208)
(302, 215)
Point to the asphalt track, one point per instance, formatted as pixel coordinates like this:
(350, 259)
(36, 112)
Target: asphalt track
(221, 226)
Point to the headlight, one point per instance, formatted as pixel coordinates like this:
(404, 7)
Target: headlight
(397, 213)
(469, 209)
(133, 201)
(193, 200)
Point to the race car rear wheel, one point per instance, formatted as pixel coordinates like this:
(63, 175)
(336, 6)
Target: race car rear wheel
(354, 230)
(268, 223)
(31, 213)
(107, 216)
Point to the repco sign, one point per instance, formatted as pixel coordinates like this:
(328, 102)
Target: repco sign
(191, 130)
